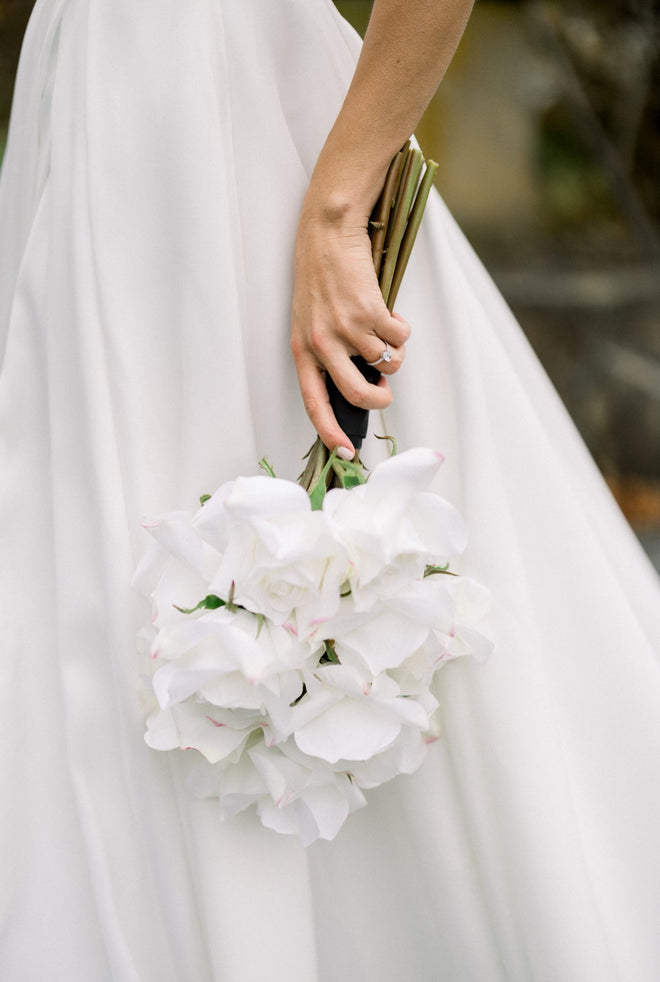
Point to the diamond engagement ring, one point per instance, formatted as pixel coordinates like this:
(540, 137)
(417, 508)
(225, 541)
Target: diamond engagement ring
(385, 356)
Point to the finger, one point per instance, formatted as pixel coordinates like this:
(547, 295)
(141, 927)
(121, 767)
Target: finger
(391, 336)
(311, 379)
(384, 343)
(353, 385)
(403, 327)
(386, 358)
(371, 320)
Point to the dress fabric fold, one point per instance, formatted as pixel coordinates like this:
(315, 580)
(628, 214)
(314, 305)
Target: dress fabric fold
(156, 163)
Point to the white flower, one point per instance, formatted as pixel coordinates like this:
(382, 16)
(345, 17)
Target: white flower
(228, 659)
(279, 558)
(195, 726)
(292, 795)
(244, 500)
(392, 527)
(375, 640)
(296, 650)
(347, 716)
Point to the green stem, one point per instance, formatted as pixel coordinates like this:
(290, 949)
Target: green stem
(317, 458)
(400, 220)
(411, 231)
(266, 466)
(403, 176)
(383, 213)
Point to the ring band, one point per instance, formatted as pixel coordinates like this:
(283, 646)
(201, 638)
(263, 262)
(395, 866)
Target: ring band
(385, 356)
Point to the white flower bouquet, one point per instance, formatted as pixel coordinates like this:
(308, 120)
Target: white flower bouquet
(298, 628)
(296, 638)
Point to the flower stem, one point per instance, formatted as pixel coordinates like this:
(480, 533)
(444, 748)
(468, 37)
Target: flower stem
(383, 211)
(411, 231)
(400, 219)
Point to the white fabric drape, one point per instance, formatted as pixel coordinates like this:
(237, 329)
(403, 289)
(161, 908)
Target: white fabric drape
(157, 159)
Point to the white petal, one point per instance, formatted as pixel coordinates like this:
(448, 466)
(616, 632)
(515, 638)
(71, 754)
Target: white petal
(175, 533)
(409, 711)
(251, 497)
(283, 778)
(215, 741)
(383, 641)
(467, 641)
(175, 682)
(431, 601)
(349, 730)
(179, 586)
(212, 522)
(322, 811)
(151, 566)
(162, 733)
(280, 819)
(231, 691)
(405, 756)
(438, 525)
(412, 470)
(345, 679)
(239, 787)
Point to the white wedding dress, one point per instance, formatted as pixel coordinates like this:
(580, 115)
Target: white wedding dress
(157, 158)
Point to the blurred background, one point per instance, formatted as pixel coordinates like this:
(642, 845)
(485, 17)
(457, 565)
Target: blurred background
(547, 132)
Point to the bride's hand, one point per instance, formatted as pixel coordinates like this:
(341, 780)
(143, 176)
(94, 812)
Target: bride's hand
(338, 311)
(337, 307)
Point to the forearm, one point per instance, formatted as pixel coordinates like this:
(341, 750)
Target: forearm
(406, 51)
(338, 309)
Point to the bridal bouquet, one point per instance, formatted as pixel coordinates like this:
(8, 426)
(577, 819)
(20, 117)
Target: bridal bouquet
(297, 629)
(295, 639)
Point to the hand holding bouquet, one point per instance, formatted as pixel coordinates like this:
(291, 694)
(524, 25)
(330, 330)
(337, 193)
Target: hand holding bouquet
(298, 628)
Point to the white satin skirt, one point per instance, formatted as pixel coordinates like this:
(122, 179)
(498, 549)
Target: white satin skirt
(158, 154)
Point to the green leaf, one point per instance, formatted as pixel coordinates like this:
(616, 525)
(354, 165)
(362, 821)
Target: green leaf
(392, 442)
(204, 498)
(329, 655)
(317, 494)
(265, 466)
(350, 472)
(208, 603)
(317, 457)
(432, 570)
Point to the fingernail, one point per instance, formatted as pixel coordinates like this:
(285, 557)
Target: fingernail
(345, 453)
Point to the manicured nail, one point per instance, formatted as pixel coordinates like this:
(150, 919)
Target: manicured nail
(345, 453)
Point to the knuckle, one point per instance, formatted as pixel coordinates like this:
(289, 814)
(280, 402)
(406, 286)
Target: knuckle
(298, 346)
(317, 337)
(311, 403)
(371, 310)
(405, 331)
(356, 396)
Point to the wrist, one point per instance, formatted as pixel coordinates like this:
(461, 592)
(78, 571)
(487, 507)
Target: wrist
(345, 187)
(335, 207)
